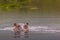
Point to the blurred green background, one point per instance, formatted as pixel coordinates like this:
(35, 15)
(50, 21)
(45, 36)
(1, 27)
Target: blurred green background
(42, 5)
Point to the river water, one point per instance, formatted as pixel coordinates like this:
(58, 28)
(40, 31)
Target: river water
(43, 26)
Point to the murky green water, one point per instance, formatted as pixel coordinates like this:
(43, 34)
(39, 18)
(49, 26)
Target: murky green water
(32, 17)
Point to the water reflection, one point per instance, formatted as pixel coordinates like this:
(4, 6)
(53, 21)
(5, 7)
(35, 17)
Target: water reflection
(26, 34)
(21, 35)
(16, 34)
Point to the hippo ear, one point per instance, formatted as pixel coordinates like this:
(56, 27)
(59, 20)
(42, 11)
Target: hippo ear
(27, 23)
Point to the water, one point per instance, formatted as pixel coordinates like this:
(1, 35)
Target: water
(7, 35)
(35, 33)
(42, 26)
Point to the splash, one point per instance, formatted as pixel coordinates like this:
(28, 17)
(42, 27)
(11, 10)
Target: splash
(45, 29)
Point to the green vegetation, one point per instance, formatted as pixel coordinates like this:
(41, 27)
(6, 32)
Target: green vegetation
(14, 4)
(44, 5)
